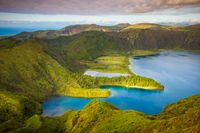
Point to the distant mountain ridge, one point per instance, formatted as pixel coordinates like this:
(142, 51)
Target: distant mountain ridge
(137, 36)
(152, 36)
(70, 30)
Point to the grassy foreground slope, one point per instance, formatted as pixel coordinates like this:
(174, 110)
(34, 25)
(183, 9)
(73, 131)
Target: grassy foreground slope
(96, 117)
(16, 106)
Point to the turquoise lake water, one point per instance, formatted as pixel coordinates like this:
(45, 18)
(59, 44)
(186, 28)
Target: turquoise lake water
(179, 72)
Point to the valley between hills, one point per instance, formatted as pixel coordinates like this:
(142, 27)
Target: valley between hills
(37, 65)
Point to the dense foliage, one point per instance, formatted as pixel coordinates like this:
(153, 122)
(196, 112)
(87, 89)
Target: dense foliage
(132, 81)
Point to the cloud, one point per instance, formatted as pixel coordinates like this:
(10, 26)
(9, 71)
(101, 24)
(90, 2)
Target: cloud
(92, 7)
(104, 20)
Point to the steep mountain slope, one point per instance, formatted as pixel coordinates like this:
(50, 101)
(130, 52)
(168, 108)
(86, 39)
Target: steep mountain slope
(68, 51)
(90, 45)
(151, 36)
(26, 69)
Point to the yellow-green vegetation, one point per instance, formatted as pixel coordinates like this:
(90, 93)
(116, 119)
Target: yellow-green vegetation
(87, 46)
(90, 45)
(33, 69)
(111, 63)
(34, 122)
(141, 26)
(119, 64)
(98, 116)
(15, 106)
(176, 28)
(133, 81)
(33, 73)
(88, 93)
(141, 53)
(27, 70)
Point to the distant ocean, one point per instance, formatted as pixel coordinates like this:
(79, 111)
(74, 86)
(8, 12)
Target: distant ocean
(16, 30)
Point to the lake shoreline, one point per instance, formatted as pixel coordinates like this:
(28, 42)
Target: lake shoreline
(130, 73)
(135, 87)
(143, 99)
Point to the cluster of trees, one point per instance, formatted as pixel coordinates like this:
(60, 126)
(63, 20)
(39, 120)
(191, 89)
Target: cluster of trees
(85, 81)
(130, 81)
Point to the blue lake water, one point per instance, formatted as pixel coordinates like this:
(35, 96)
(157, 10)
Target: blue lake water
(179, 72)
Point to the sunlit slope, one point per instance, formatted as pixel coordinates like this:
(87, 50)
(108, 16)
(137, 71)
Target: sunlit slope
(141, 26)
(26, 69)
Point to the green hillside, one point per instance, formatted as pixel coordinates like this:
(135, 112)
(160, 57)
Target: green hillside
(87, 46)
(38, 69)
(151, 36)
(36, 65)
(26, 69)
(32, 70)
(90, 45)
